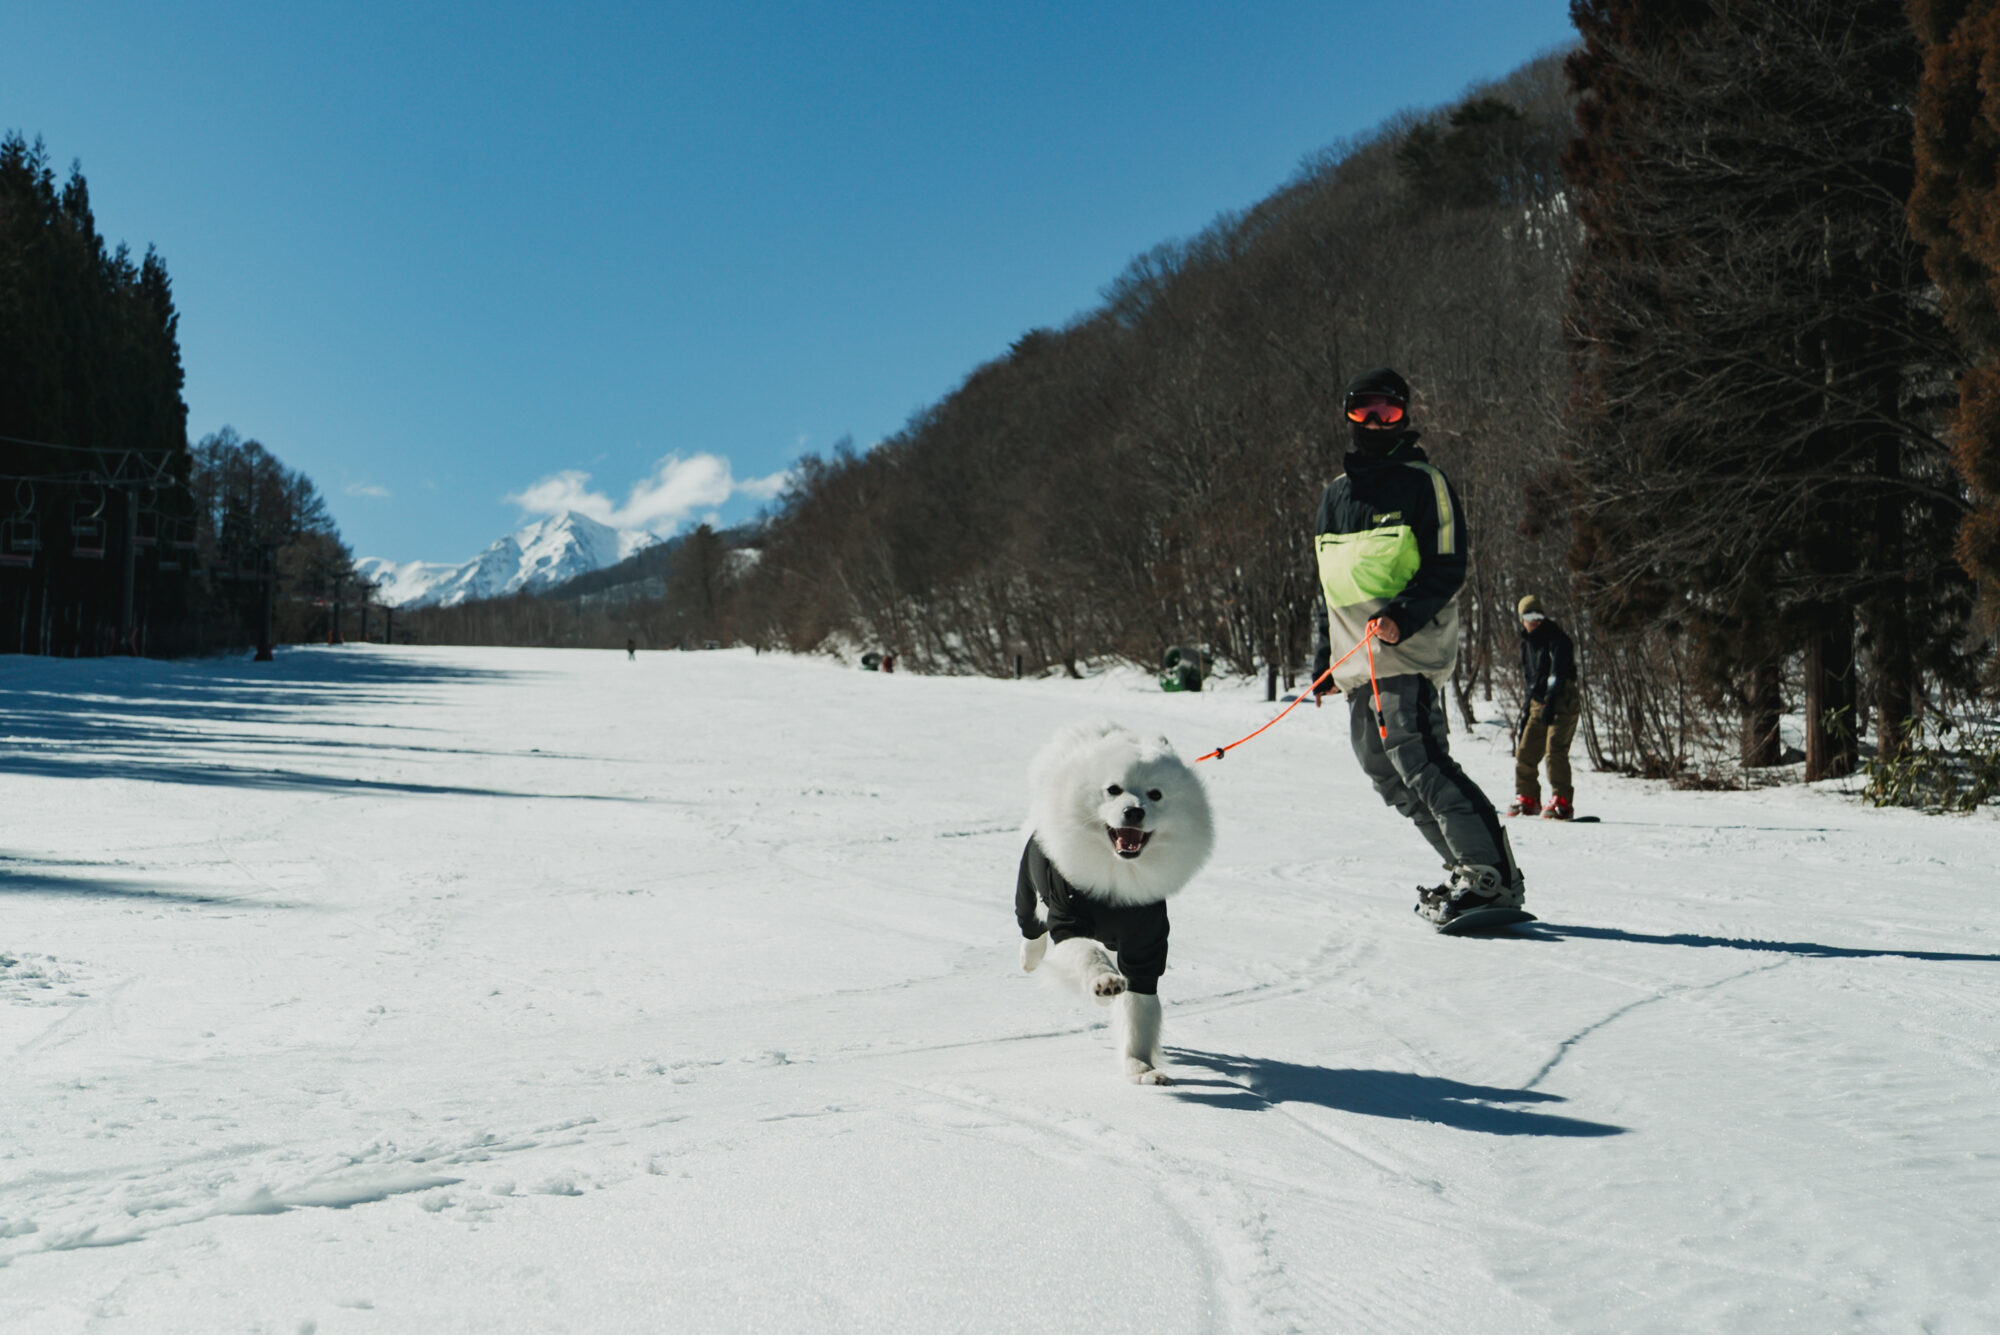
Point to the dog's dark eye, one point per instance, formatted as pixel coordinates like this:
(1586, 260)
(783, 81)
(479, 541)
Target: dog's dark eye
(1152, 794)
(1114, 790)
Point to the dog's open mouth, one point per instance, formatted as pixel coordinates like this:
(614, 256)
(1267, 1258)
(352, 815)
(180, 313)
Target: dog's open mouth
(1128, 842)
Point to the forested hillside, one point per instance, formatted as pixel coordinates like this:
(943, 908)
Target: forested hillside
(115, 535)
(1145, 475)
(1671, 334)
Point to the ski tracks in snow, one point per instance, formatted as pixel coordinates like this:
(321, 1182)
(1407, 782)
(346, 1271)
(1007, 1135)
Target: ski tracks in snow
(1246, 1286)
(126, 1202)
(794, 967)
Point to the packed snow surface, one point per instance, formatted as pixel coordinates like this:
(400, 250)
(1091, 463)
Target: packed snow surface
(540, 556)
(428, 990)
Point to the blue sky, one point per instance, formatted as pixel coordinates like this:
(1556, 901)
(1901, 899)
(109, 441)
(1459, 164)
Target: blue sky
(464, 264)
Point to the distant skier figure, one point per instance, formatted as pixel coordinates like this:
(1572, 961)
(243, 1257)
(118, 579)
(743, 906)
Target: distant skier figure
(631, 651)
(1552, 706)
(1391, 543)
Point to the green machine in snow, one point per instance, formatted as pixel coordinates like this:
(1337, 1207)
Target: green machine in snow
(1181, 670)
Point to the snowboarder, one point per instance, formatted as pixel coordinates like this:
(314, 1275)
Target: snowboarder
(631, 651)
(1552, 706)
(1391, 544)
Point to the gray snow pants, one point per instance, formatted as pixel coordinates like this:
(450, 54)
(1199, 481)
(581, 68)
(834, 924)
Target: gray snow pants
(1414, 772)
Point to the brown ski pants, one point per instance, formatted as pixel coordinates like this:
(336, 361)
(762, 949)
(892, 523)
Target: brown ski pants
(1549, 733)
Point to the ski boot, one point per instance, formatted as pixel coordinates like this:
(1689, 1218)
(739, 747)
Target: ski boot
(1558, 809)
(1524, 806)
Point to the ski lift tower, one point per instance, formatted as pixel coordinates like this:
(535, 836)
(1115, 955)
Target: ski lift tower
(96, 473)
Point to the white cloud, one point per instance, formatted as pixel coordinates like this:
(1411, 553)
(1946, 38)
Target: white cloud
(764, 488)
(676, 490)
(368, 489)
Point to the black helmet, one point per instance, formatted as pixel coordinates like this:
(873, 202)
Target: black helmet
(1382, 381)
(1376, 406)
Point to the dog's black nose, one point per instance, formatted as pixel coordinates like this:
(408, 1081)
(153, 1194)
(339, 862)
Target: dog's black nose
(1134, 815)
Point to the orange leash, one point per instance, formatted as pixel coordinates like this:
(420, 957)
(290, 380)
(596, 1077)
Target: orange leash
(1220, 751)
(1381, 724)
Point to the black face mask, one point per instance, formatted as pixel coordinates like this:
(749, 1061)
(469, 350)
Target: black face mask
(1375, 441)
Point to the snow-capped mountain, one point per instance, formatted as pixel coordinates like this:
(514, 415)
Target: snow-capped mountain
(540, 556)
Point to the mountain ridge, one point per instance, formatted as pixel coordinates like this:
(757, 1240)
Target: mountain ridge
(532, 559)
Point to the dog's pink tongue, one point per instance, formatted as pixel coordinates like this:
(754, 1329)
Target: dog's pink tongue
(1128, 840)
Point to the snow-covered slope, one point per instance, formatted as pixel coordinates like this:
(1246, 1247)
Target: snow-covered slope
(537, 557)
(446, 990)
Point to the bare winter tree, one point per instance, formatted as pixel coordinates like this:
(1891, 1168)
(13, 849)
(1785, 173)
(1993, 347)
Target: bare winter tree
(1755, 460)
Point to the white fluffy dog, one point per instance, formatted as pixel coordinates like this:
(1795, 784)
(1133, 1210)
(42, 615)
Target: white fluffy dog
(1117, 824)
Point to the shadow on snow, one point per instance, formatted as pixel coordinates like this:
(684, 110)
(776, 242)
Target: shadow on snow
(162, 721)
(1547, 931)
(22, 876)
(1258, 1082)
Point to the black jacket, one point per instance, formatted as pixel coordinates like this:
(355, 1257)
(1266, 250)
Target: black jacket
(1136, 932)
(1548, 664)
(1395, 506)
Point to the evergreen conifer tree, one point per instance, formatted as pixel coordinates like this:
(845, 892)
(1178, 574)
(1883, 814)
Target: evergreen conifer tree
(1955, 212)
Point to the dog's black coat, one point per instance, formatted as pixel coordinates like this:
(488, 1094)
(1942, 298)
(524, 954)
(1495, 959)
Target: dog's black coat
(1136, 932)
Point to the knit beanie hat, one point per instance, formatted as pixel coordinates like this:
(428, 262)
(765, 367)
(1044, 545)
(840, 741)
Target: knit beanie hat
(1530, 604)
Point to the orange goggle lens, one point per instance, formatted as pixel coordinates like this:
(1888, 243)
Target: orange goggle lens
(1380, 410)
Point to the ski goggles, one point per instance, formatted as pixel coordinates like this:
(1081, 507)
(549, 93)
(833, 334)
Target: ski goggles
(1380, 409)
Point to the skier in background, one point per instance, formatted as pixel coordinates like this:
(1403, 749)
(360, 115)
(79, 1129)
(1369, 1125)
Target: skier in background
(1551, 707)
(631, 651)
(1390, 540)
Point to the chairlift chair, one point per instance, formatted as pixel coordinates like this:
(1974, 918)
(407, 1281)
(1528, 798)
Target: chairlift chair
(21, 536)
(177, 550)
(86, 528)
(168, 553)
(19, 544)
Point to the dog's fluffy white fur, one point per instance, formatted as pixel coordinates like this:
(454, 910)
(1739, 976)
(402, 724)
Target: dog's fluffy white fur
(1083, 784)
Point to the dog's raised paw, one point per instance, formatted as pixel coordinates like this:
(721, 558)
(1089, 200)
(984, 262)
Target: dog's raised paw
(1107, 985)
(1032, 952)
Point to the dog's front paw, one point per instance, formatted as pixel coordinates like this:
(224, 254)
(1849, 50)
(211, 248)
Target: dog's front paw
(1106, 986)
(1032, 952)
(1141, 1074)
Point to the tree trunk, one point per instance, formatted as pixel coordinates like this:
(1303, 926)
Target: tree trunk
(268, 600)
(1461, 691)
(1830, 697)
(1889, 612)
(1761, 747)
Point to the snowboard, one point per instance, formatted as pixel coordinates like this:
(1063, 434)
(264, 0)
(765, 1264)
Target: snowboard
(1573, 820)
(1484, 920)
